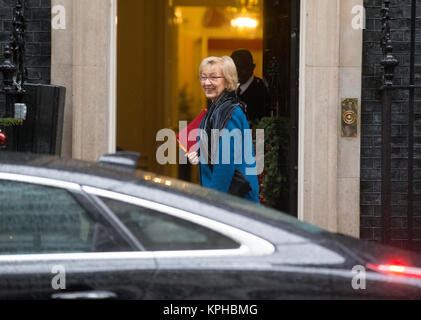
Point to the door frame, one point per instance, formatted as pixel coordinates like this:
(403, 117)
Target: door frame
(295, 63)
(112, 105)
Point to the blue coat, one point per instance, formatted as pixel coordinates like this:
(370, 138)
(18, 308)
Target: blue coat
(223, 171)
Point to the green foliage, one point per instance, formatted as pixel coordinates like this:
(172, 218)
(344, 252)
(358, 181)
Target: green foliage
(8, 122)
(274, 182)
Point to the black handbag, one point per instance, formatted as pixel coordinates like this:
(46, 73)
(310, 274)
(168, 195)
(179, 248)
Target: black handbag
(240, 186)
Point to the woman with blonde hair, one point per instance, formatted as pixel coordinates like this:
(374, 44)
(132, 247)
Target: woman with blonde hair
(225, 134)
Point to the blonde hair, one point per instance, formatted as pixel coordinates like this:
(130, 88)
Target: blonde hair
(228, 68)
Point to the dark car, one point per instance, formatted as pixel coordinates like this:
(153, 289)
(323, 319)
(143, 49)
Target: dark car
(72, 229)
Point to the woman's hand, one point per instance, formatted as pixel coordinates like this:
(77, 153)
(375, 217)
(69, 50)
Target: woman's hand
(193, 158)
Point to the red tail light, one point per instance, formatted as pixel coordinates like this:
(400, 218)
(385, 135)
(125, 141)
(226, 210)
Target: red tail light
(396, 270)
(3, 139)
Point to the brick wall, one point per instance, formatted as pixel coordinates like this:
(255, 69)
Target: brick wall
(38, 38)
(371, 219)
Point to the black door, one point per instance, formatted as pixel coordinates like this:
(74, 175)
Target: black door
(400, 130)
(281, 68)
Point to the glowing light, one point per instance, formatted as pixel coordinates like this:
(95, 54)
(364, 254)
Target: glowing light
(178, 16)
(244, 22)
(397, 269)
(157, 180)
(168, 183)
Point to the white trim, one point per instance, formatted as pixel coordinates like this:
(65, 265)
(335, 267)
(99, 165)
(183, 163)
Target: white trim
(76, 256)
(245, 86)
(250, 244)
(40, 181)
(135, 255)
(112, 78)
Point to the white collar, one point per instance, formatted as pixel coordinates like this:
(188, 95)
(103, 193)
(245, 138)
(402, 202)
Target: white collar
(246, 85)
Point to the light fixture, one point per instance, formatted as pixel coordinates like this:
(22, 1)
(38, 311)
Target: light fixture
(244, 22)
(246, 14)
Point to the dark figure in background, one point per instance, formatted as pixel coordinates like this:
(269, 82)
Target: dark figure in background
(252, 91)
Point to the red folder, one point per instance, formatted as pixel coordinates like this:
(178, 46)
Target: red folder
(190, 145)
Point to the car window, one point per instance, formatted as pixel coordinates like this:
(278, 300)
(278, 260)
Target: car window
(160, 232)
(37, 219)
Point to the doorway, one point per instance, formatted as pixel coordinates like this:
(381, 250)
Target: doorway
(160, 45)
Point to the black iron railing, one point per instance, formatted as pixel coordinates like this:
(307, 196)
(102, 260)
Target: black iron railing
(14, 71)
(389, 92)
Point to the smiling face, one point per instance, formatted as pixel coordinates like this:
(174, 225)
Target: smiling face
(212, 81)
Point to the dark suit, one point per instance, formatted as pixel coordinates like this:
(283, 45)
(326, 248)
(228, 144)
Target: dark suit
(257, 99)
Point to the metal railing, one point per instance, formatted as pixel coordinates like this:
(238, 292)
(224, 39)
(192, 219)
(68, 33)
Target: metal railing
(389, 92)
(14, 71)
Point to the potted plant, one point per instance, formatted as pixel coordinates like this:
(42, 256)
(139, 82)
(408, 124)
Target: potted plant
(274, 181)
